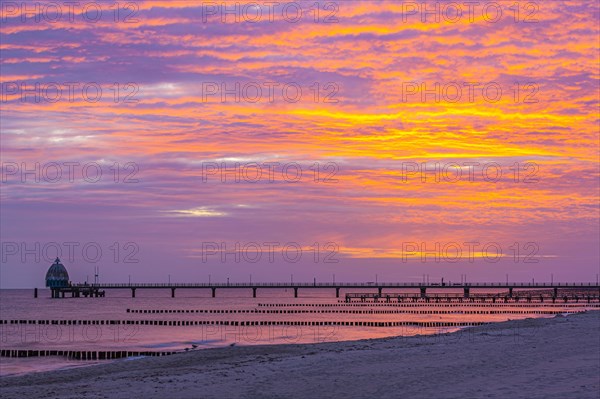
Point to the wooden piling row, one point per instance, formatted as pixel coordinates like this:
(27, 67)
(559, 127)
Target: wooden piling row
(177, 323)
(80, 355)
(425, 304)
(278, 311)
(336, 311)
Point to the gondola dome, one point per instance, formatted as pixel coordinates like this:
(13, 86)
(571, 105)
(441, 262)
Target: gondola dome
(57, 275)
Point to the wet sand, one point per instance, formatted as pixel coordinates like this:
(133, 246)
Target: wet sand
(532, 358)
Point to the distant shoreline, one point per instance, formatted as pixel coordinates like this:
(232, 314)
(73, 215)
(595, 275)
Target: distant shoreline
(540, 357)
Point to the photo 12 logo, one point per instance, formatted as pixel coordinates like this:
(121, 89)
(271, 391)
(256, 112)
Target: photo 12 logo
(468, 92)
(452, 252)
(55, 333)
(71, 251)
(69, 172)
(269, 172)
(452, 12)
(71, 92)
(253, 252)
(253, 334)
(470, 171)
(51, 12)
(268, 92)
(271, 11)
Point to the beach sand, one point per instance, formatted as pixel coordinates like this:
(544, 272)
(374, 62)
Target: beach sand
(532, 358)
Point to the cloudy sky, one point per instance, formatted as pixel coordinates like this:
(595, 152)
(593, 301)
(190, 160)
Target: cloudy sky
(361, 139)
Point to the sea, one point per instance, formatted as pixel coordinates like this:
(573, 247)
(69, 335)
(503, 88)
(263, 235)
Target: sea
(153, 321)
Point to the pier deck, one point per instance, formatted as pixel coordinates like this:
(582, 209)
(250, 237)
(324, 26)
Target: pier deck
(98, 290)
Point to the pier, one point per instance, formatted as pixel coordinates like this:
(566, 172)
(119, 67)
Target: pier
(479, 298)
(468, 290)
(75, 291)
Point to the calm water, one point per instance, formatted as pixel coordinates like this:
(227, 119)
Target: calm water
(313, 305)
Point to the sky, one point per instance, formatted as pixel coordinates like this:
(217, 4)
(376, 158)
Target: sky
(309, 141)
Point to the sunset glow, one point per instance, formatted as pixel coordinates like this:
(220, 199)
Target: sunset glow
(363, 129)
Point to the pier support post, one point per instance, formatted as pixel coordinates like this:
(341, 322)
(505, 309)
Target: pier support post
(214, 292)
(510, 289)
(35, 293)
(295, 292)
(380, 289)
(133, 292)
(423, 292)
(253, 292)
(172, 292)
(337, 292)
(556, 291)
(467, 290)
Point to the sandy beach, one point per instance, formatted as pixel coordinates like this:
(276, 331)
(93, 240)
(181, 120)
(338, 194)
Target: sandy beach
(532, 358)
